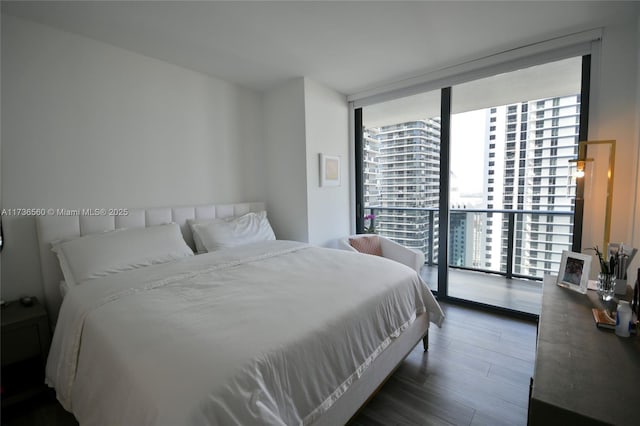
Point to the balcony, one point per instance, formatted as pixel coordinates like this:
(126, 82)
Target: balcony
(516, 294)
(493, 254)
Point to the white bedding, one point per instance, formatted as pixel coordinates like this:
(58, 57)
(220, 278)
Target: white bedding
(271, 333)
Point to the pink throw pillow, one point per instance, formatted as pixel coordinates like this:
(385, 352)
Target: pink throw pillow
(368, 245)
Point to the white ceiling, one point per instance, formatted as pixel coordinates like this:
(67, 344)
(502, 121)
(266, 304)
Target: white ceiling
(348, 46)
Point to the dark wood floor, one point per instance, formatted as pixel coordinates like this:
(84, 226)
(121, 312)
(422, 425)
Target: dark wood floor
(476, 372)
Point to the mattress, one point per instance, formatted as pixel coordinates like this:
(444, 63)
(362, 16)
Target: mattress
(270, 333)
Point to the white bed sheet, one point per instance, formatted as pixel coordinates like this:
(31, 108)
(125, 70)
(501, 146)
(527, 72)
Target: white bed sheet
(271, 333)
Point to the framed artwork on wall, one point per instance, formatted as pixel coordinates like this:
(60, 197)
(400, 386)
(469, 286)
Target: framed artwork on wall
(329, 170)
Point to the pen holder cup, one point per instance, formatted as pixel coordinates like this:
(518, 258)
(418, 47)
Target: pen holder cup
(621, 286)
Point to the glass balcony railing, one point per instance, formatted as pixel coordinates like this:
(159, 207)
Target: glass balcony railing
(514, 243)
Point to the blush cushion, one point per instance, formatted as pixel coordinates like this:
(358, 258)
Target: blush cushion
(368, 245)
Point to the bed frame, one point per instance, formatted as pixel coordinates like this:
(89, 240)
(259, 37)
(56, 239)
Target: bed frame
(53, 228)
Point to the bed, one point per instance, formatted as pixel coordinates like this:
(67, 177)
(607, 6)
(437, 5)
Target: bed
(269, 332)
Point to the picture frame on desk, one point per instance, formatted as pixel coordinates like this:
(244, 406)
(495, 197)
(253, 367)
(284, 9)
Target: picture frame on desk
(574, 271)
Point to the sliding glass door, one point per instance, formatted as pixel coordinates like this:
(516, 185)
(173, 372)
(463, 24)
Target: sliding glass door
(401, 172)
(513, 137)
(477, 177)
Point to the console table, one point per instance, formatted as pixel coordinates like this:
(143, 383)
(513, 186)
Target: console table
(583, 375)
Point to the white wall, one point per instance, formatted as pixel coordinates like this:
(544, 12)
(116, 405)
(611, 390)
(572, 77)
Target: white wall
(86, 124)
(614, 114)
(303, 119)
(286, 173)
(635, 213)
(327, 124)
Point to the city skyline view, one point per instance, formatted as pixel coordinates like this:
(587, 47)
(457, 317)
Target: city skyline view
(511, 157)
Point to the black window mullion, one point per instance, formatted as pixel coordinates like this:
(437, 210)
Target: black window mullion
(443, 207)
(359, 164)
(583, 135)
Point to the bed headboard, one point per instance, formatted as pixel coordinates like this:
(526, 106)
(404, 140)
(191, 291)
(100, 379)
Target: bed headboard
(58, 227)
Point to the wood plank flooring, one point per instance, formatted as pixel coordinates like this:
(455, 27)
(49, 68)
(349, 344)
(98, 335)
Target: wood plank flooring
(476, 372)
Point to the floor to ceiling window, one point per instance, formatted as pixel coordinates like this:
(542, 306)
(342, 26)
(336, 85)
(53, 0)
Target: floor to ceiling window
(501, 153)
(401, 170)
(512, 194)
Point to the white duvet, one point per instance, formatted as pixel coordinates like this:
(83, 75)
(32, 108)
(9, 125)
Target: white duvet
(271, 333)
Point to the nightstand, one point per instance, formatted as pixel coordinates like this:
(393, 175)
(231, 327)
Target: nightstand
(25, 345)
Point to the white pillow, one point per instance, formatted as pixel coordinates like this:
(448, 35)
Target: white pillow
(200, 248)
(219, 233)
(98, 255)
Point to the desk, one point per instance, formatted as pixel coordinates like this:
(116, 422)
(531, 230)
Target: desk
(583, 375)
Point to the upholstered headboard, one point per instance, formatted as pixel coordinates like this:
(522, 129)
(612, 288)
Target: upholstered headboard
(59, 227)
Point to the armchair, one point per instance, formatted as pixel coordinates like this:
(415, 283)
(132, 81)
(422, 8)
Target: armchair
(391, 250)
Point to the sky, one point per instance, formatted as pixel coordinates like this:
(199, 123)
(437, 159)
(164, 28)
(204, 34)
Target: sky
(468, 143)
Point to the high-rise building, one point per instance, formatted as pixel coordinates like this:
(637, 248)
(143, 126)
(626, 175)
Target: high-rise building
(402, 166)
(529, 148)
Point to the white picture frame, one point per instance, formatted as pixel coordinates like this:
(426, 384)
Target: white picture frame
(329, 170)
(574, 271)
